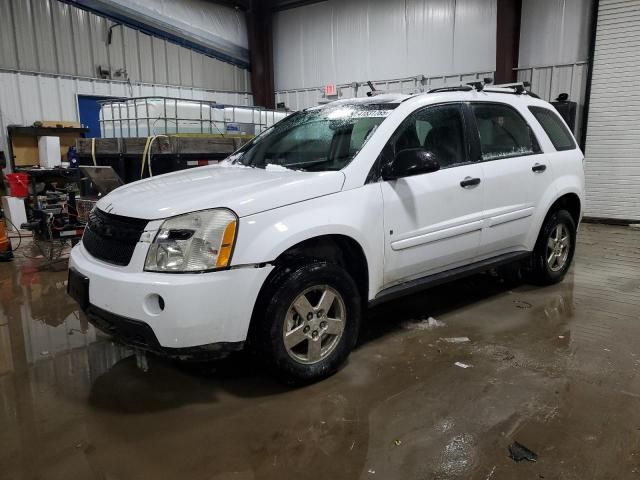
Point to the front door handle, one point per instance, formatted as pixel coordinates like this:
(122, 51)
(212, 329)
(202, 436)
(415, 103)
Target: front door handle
(538, 168)
(469, 182)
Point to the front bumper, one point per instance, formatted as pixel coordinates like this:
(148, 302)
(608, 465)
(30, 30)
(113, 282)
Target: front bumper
(136, 334)
(200, 310)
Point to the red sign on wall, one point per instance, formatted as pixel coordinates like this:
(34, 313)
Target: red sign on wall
(330, 90)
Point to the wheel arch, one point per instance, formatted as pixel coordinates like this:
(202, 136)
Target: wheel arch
(340, 249)
(570, 202)
(568, 198)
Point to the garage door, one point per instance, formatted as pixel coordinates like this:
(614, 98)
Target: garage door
(613, 129)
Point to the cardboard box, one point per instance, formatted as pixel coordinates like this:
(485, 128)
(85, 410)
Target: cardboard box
(60, 124)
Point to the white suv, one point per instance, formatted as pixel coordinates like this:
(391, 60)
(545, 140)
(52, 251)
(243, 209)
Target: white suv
(284, 245)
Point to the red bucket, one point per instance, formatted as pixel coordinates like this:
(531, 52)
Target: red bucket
(18, 184)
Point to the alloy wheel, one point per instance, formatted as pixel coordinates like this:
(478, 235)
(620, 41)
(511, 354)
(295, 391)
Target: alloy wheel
(558, 246)
(314, 324)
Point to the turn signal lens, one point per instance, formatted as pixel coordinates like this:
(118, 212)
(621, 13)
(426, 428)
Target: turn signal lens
(226, 246)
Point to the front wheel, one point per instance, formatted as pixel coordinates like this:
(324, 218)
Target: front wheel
(310, 321)
(554, 249)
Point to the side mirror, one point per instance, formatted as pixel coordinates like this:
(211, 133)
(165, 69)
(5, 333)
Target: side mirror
(411, 161)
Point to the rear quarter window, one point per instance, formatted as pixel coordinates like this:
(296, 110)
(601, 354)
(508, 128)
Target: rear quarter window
(555, 129)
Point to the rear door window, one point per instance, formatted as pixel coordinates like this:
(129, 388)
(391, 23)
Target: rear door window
(555, 129)
(503, 132)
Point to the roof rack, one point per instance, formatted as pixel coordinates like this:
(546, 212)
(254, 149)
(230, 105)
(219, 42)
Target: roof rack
(479, 86)
(459, 88)
(517, 88)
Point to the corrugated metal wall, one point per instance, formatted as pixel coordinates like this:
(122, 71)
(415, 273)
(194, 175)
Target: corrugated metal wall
(26, 98)
(53, 37)
(297, 99)
(554, 32)
(554, 49)
(612, 161)
(352, 41)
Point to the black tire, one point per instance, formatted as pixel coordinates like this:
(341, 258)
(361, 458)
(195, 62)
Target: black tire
(276, 299)
(541, 272)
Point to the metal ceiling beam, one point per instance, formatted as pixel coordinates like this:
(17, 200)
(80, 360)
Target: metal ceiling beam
(237, 4)
(281, 5)
(278, 5)
(151, 24)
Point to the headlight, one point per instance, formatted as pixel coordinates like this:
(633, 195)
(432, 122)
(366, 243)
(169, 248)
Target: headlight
(194, 242)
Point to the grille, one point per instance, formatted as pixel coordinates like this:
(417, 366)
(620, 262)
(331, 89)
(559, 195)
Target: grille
(112, 238)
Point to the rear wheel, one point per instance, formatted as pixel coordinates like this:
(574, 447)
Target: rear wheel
(554, 249)
(310, 321)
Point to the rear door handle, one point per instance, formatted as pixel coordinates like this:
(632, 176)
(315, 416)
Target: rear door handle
(538, 168)
(469, 182)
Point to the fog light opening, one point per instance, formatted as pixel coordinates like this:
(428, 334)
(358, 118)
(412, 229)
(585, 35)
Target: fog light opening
(153, 304)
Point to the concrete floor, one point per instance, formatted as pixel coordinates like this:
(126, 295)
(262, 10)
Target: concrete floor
(557, 369)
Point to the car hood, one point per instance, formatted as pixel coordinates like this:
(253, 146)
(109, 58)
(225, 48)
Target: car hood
(242, 189)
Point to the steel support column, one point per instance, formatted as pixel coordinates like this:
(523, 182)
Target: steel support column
(260, 30)
(507, 40)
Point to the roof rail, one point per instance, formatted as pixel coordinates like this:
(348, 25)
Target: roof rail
(458, 88)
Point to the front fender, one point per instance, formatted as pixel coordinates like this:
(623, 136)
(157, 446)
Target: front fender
(355, 213)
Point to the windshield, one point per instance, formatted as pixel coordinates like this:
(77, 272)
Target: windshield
(315, 140)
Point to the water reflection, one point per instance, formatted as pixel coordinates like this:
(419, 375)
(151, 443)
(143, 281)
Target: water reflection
(39, 321)
(49, 358)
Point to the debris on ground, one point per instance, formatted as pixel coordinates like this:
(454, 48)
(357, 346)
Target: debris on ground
(493, 470)
(397, 442)
(456, 339)
(423, 324)
(499, 353)
(522, 304)
(462, 365)
(518, 452)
